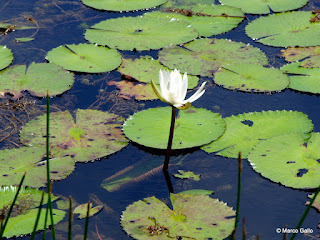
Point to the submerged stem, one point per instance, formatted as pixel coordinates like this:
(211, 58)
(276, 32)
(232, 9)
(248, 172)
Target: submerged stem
(168, 152)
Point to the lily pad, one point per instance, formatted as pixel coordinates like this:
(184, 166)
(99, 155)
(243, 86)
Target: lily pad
(289, 29)
(140, 33)
(303, 79)
(251, 77)
(6, 57)
(123, 5)
(264, 6)
(24, 214)
(205, 56)
(130, 90)
(145, 69)
(83, 208)
(244, 131)
(37, 79)
(95, 134)
(207, 19)
(85, 58)
(14, 162)
(309, 55)
(289, 159)
(187, 175)
(194, 127)
(197, 192)
(316, 203)
(193, 216)
(25, 39)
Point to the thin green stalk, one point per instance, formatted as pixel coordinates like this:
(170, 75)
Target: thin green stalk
(239, 190)
(37, 219)
(304, 215)
(169, 146)
(87, 222)
(70, 219)
(3, 226)
(49, 185)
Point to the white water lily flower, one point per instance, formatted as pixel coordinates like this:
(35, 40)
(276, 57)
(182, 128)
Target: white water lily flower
(174, 89)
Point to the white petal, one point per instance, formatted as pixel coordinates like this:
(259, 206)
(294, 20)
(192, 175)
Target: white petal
(197, 94)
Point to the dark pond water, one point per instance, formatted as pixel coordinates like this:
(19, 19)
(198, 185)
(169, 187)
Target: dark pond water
(265, 205)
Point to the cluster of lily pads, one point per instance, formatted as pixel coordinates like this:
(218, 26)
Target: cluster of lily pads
(280, 145)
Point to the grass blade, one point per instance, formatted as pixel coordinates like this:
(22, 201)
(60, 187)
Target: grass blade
(70, 219)
(37, 219)
(87, 223)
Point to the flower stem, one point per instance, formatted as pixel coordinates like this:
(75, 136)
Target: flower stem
(168, 152)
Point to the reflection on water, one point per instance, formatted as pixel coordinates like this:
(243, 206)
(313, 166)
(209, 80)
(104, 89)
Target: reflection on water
(264, 204)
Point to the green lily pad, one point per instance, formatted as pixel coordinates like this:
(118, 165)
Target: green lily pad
(287, 29)
(25, 39)
(194, 127)
(311, 56)
(140, 33)
(193, 216)
(85, 58)
(187, 175)
(244, 131)
(22, 219)
(207, 19)
(37, 79)
(95, 134)
(264, 6)
(316, 203)
(205, 56)
(83, 208)
(289, 159)
(251, 77)
(6, 57)
(7, 26)
(14, 162)
(303, 79)
(123, 5)
(146, 69)
(197, 192)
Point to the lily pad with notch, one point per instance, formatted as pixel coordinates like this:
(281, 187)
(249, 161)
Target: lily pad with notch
(245, 130)
(14, 162)
(93, 135)
(289, 159)
(140, 33)
(207, 19)
(310, 56)
(264, 6)
(6, 57)
(123, 5)
(193, 127)
(251, 77)
(37, 79)
(85, 58)
(303, 79)
(187, 175)
(193, 216)
(23, 217)
(205, 56)
(289, 29)
(83, 208)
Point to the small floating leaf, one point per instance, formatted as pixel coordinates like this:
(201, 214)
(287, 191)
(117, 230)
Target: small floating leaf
(21, 221)
(123, 5)
(264, 6)
(37, 78)
(194, 127)
(244, 131)
(311, 56)
(187, 175)
(303, 79)
(207, 19)
(289, 160)
(251, 77)
(204, 56)
(85, 58)
(316, 203)
(82, 210)
(26, 39)
(95, 134)
(287, 29)
(6, 57)
(140, 33)
(197, 192)
(14, 162)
